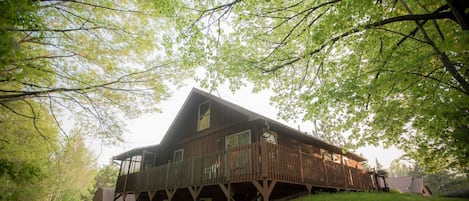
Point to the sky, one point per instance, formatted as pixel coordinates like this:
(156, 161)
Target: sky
(149, 129)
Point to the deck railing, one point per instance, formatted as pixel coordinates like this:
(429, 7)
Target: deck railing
(252, 162)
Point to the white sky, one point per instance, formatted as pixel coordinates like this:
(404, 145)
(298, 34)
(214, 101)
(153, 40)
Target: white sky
(150, 128)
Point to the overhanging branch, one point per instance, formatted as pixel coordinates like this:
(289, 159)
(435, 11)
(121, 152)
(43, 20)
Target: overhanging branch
(430, 16)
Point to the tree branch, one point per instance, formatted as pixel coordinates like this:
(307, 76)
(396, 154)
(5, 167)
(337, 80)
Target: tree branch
(89, 4)
(59, 30)
(21, 95)
(443, 15)
(443, 57)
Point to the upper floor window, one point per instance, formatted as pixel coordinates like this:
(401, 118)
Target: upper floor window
(204, 116)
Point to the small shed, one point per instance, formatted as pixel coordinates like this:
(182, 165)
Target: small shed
(409, 184)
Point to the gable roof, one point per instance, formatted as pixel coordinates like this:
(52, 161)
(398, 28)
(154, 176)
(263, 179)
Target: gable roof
(252, 116)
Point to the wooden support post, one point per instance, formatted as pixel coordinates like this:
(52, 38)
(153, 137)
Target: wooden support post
(360, 179)
(192, 170)
(167, 174)
(226, 190)
(195, 191)
(343, 172)
(265, 189)
(170, 193)
(264, 159)
(136, 195)
(300, 155)
(325, 171)
(151, 194)
(117, 197)
(309, 187)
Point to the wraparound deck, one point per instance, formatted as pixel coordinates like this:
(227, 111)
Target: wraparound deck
(262, 164)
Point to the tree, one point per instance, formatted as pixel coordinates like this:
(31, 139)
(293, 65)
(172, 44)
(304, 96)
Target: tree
(106, 176)
(25, 155)
(72, 171)
(325, 133)
(95, 61)
(397, 169)
(394, 72)
(41, 166)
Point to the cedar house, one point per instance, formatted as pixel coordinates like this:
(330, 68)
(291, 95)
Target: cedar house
(216, 150)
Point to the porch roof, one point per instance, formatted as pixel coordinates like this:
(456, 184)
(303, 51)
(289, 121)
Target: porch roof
(136, 151)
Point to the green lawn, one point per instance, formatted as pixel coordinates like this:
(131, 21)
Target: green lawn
(375, 196)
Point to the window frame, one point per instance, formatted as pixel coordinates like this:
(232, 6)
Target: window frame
(238, 134)
(268, 136)
(131, 165)
(200, 116)
(182, 154)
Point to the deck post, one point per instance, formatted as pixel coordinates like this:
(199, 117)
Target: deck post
(226, 190)
(136, 195)
(167, 174)
(325, 171)
(195, 191)
(265, 189)
(264, 159)
(309, 187)
(170, 193)
(151, 194)
(343, 172)
(300, 155)
(192, 170)
(360, 179)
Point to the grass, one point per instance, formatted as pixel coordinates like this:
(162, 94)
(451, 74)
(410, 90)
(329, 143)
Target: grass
(373, 196)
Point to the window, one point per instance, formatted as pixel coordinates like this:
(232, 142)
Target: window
(125, 167)
(135, 163)
(336, 158)
(326, 154)
(345, 160)
(238, 139)
(178, 155)
(131, 165)
(204, 116)
(239, 162)
(270, 137)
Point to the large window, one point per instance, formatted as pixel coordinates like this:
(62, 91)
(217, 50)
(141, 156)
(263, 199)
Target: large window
(204, 116)
(131, 165)
(125, 167)
(238, 139)
(239, 161)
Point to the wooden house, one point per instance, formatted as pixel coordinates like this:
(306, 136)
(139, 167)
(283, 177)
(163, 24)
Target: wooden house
(216, 150)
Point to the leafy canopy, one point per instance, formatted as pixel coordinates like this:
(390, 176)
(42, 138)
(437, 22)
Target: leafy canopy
(392, 72)
(96, 61)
